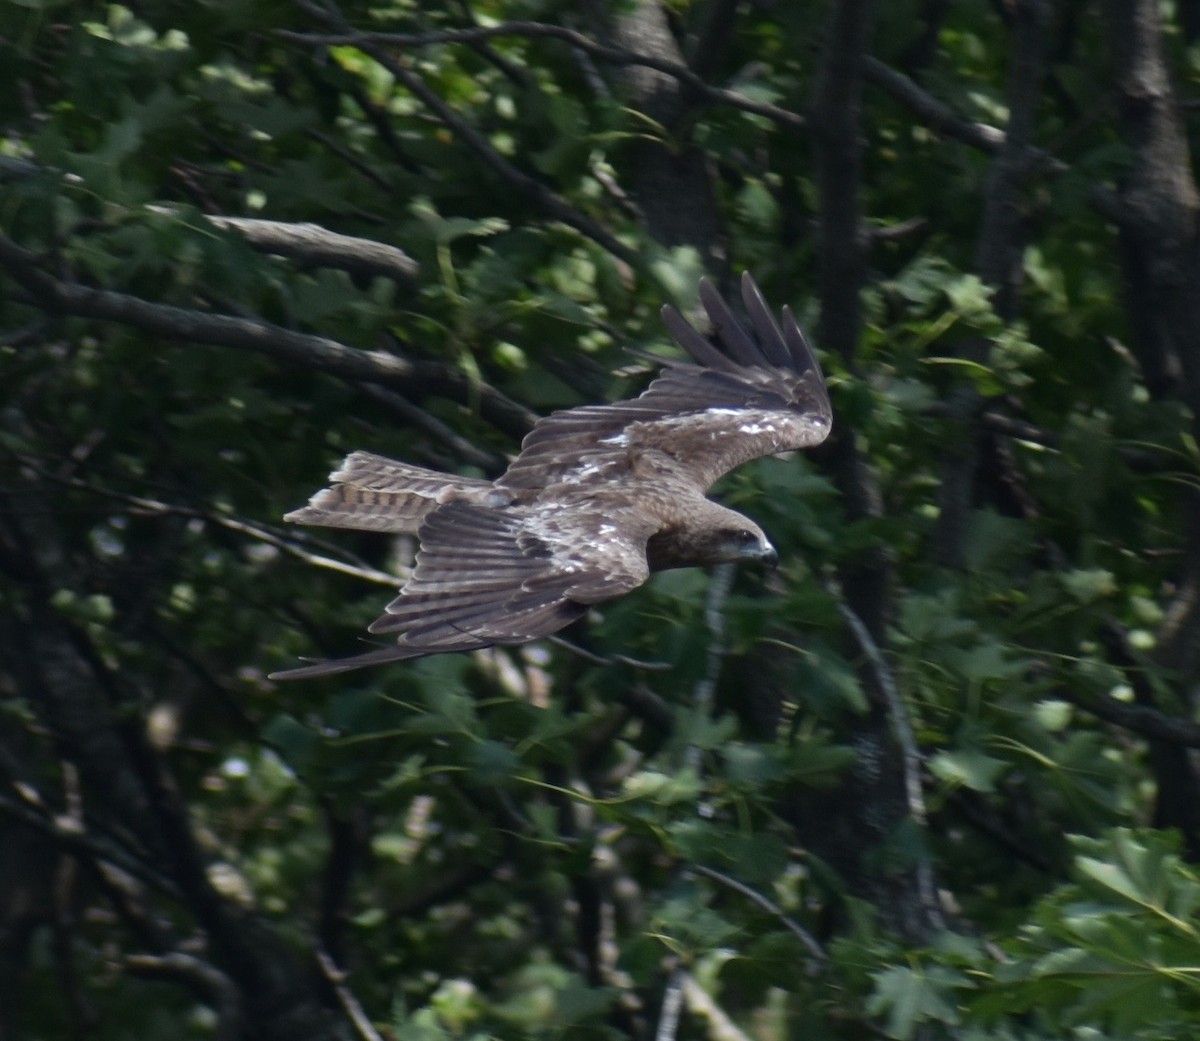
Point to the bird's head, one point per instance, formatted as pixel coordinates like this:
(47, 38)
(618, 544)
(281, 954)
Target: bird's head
(743, 541)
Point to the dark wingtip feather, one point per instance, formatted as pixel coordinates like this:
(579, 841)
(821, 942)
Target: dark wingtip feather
(727, 329)
(804, 358)
(770, 338)
(338, 665)
(730, 345)
(683, 333)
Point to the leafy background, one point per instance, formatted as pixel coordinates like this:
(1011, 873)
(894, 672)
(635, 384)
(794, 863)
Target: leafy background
(935, 778)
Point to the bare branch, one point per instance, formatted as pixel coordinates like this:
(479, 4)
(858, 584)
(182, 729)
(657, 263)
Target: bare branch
(907, 740)
(234, 524)
(305, 349)
(719, 587)
(767, 904)
(206, 981)
(942, 119)
(609, 659)
(1141, 719)
(314, 245)
(350, 1004)
(421, 420)
(720, 1027)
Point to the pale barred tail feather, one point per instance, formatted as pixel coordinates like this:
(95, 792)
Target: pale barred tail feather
(371, 493)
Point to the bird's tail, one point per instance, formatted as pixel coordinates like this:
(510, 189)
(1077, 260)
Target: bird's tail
(371, 493)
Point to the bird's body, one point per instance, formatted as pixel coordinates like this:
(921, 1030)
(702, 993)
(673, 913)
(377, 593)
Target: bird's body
(599, 497)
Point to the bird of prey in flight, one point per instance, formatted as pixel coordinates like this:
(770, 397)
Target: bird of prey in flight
(599, 497)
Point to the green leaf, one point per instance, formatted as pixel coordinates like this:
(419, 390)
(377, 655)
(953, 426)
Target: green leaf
(969, 768)
(912, 996)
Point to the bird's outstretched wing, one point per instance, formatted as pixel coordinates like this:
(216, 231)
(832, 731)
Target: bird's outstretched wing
(753, 391)
(485, 576)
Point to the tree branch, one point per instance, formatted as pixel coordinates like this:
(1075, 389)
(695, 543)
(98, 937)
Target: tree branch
(795, 928)
(310, 351)
(207, 982)
(371, 41)
(350, 1004)
(1141, 719)
(316, 246)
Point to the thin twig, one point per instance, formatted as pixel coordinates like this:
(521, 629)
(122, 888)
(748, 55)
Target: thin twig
(942, 119)
(350, 1004)
(906, 739)
(603, 52)
(768, 905)
(705, 690)
(609, 659)
(241, 527)
(421, 420)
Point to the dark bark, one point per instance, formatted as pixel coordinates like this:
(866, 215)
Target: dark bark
(1160, 247)
(856, 822)
(671, 181)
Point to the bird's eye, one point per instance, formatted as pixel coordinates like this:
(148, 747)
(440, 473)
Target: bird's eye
(745, 536)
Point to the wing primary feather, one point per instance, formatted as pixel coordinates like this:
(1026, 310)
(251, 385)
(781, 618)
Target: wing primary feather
(770, 338)
(727, 328)
(690, 340)
(804, 359)
(336, 665)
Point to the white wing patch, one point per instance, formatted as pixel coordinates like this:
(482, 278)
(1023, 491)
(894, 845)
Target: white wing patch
(588, 470)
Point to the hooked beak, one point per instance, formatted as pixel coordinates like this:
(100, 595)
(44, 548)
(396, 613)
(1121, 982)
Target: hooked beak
(770, 557)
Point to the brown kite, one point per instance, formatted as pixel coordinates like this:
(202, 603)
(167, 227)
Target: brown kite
(599, 497)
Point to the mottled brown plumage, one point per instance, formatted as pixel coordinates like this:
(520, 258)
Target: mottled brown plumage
(598, 498)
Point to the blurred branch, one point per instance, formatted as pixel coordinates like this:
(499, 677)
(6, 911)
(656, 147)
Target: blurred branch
(672, 1005)
(240, 527)
(419, 419)
(933, 112)
(609, 659)
(907, 740)
(349, 838)
(350, 1004)
(372, 41)
(314, 245)
(795, 928)
(208, 983)
(309, 243)
(719, 586)
(1141, 719)
(30, 810)
(718, 1024)
(942, 119)
(61, 296)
